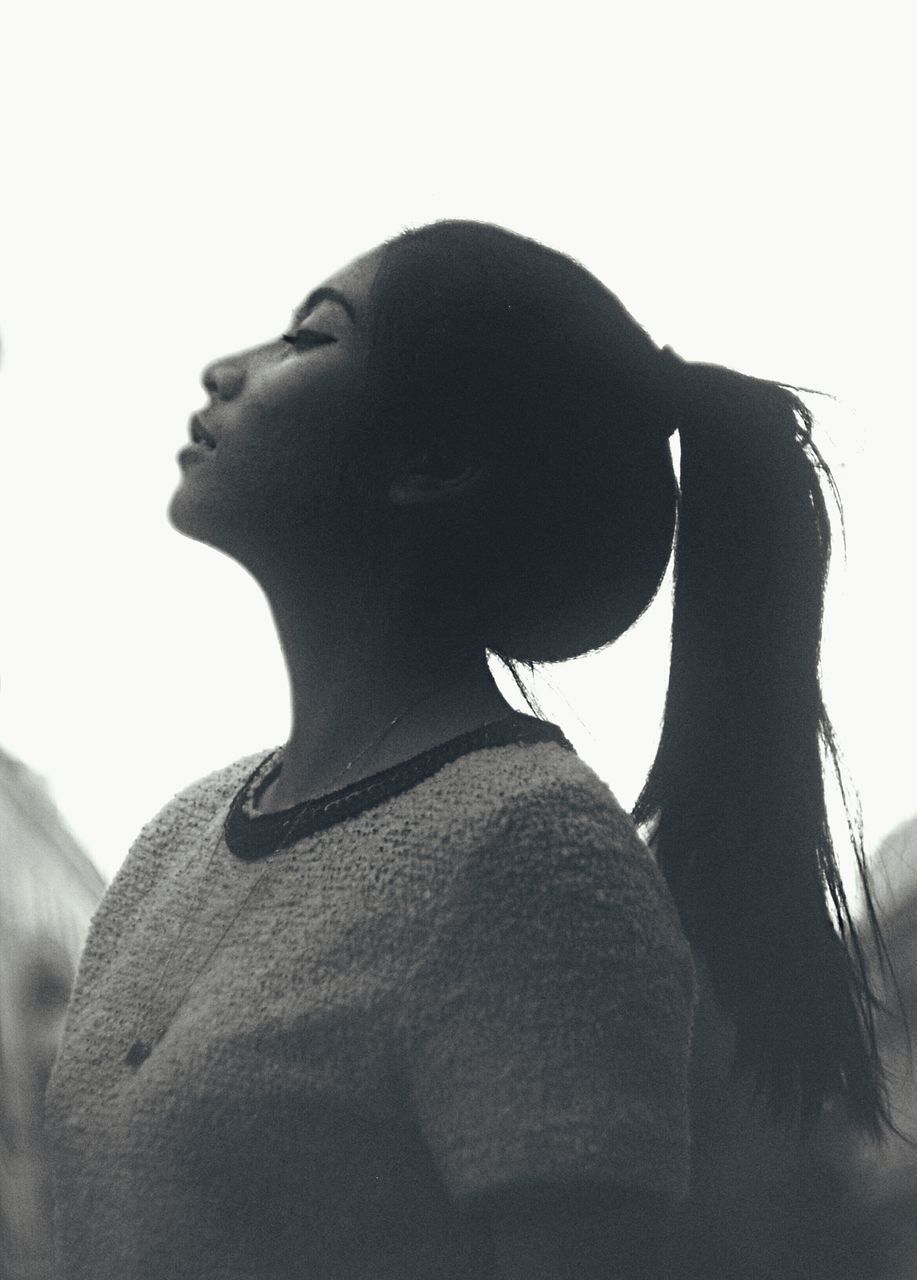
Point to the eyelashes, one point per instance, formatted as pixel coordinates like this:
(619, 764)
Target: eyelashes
(303, 339)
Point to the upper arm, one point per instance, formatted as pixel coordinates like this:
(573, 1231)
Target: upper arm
(549, 1027)
(576, 1233)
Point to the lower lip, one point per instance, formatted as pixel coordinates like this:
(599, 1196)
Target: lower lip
(193, 453)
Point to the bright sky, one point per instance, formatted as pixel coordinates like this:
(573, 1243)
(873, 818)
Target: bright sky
(175, 179)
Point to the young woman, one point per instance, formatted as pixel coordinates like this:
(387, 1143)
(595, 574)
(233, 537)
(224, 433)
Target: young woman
(408, 997)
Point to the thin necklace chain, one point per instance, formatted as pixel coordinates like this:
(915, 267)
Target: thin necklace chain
(412, 706)
(141, 1047)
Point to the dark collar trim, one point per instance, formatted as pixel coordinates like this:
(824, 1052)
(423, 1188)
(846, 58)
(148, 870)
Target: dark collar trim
(253, 836)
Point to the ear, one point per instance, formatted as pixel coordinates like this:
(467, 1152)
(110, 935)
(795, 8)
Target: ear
(422, 483)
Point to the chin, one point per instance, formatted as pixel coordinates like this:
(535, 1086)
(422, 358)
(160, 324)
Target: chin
(179, 513)
(224, 530)
(192, 518)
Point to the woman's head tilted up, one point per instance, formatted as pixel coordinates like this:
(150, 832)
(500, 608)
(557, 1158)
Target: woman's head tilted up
(475, 425)
(465, 408)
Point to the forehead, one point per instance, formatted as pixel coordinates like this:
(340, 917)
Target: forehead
(356, 279)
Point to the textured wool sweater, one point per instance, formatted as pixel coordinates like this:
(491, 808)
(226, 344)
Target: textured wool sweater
(303, 1044)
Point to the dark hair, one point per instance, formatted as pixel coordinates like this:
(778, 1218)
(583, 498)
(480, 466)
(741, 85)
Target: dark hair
(487, 342)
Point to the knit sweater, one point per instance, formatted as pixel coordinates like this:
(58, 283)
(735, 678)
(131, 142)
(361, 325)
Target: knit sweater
(468, 976)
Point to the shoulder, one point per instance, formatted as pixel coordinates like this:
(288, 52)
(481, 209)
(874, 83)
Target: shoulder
(164, 843)
(188, 814)
(540, 852)
(545, 784)
(200, 800)
(541, 819)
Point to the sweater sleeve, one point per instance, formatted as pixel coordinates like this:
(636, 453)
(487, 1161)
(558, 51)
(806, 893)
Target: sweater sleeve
(548, 1027)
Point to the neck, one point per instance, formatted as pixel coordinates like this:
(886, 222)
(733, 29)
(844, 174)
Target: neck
(358, 656)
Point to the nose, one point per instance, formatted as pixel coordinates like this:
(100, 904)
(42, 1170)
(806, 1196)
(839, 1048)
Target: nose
(223, 379)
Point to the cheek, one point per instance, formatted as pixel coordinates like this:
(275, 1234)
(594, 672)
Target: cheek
(295, 464)
(314, 420)
(294, 459)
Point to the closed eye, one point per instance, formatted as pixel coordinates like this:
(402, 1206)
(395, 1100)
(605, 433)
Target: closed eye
(305, 338)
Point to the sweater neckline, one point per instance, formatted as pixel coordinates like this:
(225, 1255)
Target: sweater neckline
(251, 835)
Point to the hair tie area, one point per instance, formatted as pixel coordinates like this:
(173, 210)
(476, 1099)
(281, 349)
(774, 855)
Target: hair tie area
(674, 371)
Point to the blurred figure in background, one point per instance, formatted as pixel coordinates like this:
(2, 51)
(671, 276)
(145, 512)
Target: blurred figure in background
(48, 891)
(886, 1177)
(762, 1205)
(836, 1207)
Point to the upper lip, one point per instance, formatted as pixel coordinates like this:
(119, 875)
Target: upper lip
(199, 433)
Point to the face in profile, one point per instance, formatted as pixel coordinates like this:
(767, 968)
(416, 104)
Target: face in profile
(270, 453)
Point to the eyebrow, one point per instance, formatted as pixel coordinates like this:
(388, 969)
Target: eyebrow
(325, 294)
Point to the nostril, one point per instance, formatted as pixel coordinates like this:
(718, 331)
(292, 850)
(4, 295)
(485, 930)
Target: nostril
(223, 380)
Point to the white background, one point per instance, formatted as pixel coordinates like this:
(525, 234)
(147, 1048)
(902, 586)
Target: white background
(176, 177)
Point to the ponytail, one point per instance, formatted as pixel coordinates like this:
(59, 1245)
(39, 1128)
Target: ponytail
(735, 800)
(476, 325)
